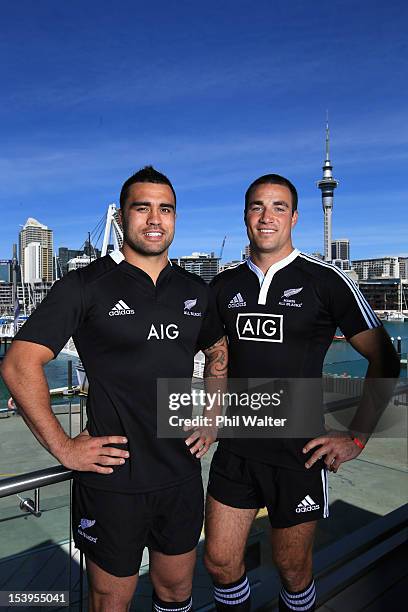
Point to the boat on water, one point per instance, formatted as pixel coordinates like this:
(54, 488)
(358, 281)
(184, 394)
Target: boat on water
(9, 325)
(395, 315)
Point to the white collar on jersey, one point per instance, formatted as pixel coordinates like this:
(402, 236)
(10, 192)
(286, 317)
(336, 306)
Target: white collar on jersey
(266, 279)
(118, 256)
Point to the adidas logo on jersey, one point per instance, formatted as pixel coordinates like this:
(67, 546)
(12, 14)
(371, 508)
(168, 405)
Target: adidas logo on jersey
(121, 308)
(307, 505)
(237, 301)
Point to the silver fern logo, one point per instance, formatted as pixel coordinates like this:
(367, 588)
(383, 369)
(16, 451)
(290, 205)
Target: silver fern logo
(289, 292)
(86, 523)
(287, 298)
(188, 304)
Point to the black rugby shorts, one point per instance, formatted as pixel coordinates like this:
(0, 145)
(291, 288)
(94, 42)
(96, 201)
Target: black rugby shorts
(290, 496)
(112, 528)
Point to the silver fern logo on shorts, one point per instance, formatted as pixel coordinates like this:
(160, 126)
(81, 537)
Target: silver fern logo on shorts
(86, 524)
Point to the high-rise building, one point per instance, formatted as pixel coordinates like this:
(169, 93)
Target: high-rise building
(64, 255)
(340, 249)
(343, 264)
(5, 270)
(203, 264)
(381, 267)
(327, 185)
(32, 268)
(385, 294)
(35, 232)
(403, 267)
(340, 253)
(7, 298)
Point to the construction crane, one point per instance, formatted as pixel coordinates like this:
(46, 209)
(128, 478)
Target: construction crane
(222, 247)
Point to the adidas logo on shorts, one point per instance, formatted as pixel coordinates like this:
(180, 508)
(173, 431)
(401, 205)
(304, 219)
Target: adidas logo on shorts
(307, 505)
(121, 308)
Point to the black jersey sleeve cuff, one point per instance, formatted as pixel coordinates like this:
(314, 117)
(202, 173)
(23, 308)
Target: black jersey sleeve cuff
(26, 338)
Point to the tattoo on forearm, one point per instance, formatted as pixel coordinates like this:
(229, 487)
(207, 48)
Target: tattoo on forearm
(216, 362)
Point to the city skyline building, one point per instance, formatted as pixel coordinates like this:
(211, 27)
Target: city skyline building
(340, 253)
(340, 248)
(389, 267)
(34, 231)
(327, 185)
(386, 294)
(247, 252)
(79, 262)
(203, 264)
(32, 267)
(64, 255)
(6, 270)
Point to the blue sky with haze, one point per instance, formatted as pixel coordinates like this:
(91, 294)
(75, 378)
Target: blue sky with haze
(213, 94)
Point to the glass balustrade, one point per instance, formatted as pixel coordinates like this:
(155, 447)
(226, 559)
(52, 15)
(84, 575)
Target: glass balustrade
(36, 553)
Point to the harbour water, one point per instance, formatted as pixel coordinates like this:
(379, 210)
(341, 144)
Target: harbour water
(341, 359)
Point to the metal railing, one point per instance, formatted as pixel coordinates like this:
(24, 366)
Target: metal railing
(34, 480)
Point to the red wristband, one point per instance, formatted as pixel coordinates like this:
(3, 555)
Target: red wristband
(358, 443)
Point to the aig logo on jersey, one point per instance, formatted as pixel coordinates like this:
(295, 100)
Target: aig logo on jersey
(163, 332)
(260, 327)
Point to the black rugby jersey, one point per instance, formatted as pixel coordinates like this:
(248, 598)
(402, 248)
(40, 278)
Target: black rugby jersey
(129, 332)
(280, 325)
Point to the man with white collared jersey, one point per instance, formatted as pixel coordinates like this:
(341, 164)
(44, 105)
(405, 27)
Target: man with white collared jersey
(280, 310)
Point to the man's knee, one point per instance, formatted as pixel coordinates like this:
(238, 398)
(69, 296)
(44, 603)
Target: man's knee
(223, 568)
(179, 590)
(295, 572)
(103, 601)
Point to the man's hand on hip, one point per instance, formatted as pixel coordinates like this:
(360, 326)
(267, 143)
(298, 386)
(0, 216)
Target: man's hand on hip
(337, 447)
(86, 453)
(203, 438)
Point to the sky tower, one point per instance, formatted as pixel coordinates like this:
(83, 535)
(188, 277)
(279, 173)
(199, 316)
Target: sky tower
(327, 185)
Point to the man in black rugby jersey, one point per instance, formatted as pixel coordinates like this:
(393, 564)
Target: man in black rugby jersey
(280, 310)
(135, 318)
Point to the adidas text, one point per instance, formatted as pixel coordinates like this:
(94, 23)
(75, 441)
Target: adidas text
(308, 509)
(114, 313)
(121, 308)
(307, 505)
(237, 301)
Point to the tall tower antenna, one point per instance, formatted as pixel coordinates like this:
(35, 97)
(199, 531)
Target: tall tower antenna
(327, 185)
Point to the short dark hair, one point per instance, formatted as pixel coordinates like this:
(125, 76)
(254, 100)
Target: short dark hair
(148, 174)
(272, 179)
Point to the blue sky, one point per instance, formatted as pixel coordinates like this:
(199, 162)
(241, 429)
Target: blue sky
(213, 94)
